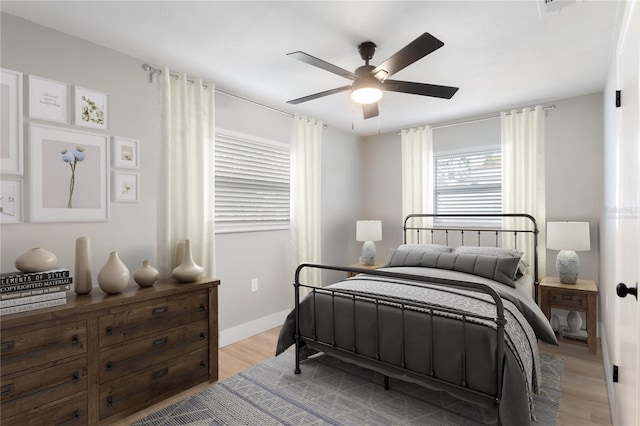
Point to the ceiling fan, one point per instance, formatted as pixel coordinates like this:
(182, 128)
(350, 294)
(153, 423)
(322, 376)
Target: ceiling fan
(369, 81)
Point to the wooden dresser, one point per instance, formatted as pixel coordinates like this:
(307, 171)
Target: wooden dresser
(100, 358)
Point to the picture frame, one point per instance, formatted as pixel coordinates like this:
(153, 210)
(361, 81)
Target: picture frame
(124, 153)
(125, 187)
(11, 201)
(91, 108)
(69, 175)
(49, 100)
(11, 133)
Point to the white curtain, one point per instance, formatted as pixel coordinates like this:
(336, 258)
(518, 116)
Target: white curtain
(523, 169)
(306, 162)
(417, 175)
(186, 178)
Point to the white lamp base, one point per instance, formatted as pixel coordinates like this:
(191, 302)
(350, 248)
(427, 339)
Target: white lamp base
(568, 266)
(368, 253)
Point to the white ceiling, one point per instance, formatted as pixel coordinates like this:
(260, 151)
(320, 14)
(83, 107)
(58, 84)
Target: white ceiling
(501, 54)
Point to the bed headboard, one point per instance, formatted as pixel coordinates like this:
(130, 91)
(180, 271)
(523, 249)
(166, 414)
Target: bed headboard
(513, 230)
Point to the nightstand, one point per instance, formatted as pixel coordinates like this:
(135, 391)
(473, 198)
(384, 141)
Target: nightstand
(580, 297)
(363, 266)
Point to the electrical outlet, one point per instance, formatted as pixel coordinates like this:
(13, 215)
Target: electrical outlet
(254, 284)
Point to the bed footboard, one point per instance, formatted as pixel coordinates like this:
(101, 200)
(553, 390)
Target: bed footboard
(404, 338)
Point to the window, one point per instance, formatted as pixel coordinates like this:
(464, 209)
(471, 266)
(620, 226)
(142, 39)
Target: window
(468, 183)
(251, 183)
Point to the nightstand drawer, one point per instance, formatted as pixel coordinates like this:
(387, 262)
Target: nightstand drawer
(568, 300)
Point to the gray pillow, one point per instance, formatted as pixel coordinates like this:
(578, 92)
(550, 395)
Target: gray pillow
(497, 251)
(500, 269)
(427, 247)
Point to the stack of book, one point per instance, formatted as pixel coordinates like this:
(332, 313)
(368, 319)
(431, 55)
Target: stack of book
(27, 291)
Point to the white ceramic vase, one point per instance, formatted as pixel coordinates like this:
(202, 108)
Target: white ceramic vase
(114, 275)
(574, 321)
(187, 271)
(147, 275)
(82, 279)
(555, 323)
(36, 260)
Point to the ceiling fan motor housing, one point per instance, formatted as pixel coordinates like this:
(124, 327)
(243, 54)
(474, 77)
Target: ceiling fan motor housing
(367, 49)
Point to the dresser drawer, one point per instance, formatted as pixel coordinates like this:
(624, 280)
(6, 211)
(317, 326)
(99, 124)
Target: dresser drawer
(154, 349)
(151, 318)
(568, 300)
(130, 393)
(38, 347)
(21, 393)
(69, 411)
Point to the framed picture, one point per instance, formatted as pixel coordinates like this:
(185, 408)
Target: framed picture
(48, 99)
(91, 108)
(125, 187)
(125, 153)
(11, 201)
(11, 146)
(69, 171)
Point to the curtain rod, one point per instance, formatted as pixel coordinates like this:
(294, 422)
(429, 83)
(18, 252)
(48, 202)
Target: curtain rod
(475, 120)
(151, 70)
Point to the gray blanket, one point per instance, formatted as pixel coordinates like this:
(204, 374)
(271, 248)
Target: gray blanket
(453, 345)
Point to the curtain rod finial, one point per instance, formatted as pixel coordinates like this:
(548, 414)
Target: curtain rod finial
(146, 67)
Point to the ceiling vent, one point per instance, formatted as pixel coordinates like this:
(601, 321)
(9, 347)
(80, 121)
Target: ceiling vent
(548, 6)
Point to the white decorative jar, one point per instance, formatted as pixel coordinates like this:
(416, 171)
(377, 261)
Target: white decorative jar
(36, 260)
(114, 275)
(147, 275)
(574, 321)
(188, 271)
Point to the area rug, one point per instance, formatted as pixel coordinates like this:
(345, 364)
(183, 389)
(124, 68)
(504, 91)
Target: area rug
(332, 392)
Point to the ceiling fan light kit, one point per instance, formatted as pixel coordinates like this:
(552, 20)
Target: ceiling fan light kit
(369, 82)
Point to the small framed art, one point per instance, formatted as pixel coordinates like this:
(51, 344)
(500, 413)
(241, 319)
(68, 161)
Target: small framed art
(11, 145)
(48, 100)
(125, 187)
(125, 153)
(11, 201)
(69, 171)
(91, 108)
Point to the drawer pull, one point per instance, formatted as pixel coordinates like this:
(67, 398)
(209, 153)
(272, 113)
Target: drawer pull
(159, 311)
(160, 373)
(6, 389)
(74, 417)
(109, 366)
(7, 346)
(203, 335)
(567, 297)
(160, 342)
(109, 401)
(202, 307)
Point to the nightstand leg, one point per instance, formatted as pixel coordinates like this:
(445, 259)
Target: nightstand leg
(592, 331)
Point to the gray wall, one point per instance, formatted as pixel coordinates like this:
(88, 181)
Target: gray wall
(573, 138)
(135, 113)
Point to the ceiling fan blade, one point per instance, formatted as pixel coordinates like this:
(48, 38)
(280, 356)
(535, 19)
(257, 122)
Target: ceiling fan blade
(444, 92)
(312, 60)
(318, 95)
(370, 110)
(417, 49)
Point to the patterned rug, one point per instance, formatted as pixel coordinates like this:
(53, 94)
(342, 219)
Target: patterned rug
(332, 392)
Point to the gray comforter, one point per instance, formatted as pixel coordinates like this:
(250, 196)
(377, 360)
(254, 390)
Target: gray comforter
(454, 345)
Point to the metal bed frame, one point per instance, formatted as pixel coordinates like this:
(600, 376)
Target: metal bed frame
(329, 345)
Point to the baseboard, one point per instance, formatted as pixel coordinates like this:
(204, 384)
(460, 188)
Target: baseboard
(242, 331)
(608, 374)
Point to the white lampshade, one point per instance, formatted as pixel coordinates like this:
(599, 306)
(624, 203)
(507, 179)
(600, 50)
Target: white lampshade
(368, 230)
(572, 236)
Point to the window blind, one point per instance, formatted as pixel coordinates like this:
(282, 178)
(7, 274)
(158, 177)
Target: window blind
(251, 183)
(468, 183)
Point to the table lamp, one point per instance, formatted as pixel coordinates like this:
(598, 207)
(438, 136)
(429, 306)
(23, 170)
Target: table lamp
(368, 231)
(568, 237)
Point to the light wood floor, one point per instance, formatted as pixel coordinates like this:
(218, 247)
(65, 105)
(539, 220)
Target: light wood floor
(584, 395)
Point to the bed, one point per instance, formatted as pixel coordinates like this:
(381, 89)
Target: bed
(453, 309)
